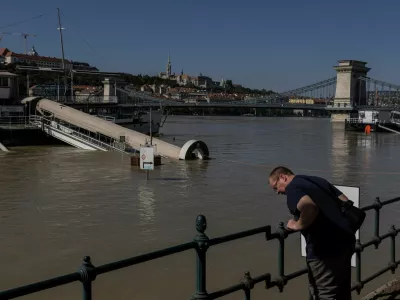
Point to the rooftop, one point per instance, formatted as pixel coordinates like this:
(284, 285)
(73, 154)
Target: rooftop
(3, 51)
(352, 63)
(37, 58)
(5, 73)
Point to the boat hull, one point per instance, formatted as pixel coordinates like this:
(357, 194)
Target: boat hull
(360, 127)
(140, 124)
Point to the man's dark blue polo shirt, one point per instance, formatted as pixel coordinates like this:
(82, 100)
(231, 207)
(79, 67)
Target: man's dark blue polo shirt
(324, 238)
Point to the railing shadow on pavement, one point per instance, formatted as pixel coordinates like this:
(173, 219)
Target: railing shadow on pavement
(201, 243)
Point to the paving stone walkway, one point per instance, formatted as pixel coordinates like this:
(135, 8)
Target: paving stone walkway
(389, 291)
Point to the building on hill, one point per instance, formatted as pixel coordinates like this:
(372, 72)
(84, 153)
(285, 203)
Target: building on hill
(34, 59)
(200, 81)
(168, 74)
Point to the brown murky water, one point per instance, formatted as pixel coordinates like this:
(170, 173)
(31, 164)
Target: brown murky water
(58, 204)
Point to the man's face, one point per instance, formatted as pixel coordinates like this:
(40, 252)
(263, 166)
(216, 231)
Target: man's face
(278, 184)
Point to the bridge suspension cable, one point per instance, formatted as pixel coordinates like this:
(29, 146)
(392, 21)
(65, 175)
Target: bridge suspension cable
(381, 93)
(321, 92)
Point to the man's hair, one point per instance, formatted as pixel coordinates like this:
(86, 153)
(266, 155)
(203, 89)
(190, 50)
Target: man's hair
(280, 170)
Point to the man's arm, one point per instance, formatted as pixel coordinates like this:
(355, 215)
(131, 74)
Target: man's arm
(338, 193)
(308, 213)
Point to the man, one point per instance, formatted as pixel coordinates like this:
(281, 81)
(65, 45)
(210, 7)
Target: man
(311, 200)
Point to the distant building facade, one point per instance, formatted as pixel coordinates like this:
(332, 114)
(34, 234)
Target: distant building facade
(8, 87)
(34, 59)
(185, 79)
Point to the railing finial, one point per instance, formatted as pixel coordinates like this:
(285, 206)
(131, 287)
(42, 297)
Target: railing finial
(201, 223)
(86, 270)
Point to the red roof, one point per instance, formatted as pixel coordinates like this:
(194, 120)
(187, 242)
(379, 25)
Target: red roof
(36, 58)
(3, 51)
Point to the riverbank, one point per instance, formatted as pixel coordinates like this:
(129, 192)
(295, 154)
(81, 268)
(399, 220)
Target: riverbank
(248, 112)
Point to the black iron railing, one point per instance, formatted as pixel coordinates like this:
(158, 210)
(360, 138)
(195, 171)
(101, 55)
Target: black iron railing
(201, 243)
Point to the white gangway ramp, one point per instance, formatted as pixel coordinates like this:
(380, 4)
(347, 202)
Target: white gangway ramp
(192, 149)
(70, 136)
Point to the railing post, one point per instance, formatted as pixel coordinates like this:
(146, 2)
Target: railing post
(359, 249)
(249, 285)
(281, 254)
(393, 249)
(87, 276)
(377, 207)
(281, 234)
(202, 245)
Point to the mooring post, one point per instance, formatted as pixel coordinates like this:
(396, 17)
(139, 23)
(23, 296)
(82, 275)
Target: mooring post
(87, 276)
(202, 245)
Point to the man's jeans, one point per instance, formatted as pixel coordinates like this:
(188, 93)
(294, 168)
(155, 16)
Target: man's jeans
(330, 279)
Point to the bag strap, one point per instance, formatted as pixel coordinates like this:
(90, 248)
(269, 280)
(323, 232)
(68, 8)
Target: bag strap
(330, 208)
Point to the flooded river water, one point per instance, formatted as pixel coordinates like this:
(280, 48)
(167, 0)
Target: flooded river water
(58, 204)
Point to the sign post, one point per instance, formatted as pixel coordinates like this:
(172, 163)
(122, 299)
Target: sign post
(147, 159)
(353, 193)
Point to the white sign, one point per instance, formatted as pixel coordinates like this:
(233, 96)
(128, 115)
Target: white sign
(353, 193)
(147, 158)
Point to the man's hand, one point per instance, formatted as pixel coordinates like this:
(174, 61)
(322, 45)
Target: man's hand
(292, 225)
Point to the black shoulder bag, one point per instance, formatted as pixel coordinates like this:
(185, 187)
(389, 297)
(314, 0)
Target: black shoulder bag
(355, 216)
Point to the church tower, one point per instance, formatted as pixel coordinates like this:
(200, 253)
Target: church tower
(33, 52)
(169, 73)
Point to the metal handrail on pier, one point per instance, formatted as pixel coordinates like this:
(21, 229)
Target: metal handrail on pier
(66, 128)
(201, 243)
(360, 121)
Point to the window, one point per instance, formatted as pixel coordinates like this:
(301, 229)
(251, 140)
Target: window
(3, 81)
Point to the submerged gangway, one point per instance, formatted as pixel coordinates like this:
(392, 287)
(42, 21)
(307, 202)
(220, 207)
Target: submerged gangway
(75, 136)
(93, 126)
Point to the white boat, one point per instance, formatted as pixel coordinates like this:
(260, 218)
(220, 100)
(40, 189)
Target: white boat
(139, 121)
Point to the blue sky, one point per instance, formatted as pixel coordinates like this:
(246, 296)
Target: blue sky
(276, 45)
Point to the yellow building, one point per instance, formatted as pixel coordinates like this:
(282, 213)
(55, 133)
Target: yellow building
(301, 101)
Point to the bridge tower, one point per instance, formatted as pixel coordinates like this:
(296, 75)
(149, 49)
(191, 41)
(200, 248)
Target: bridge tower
(350, 90)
